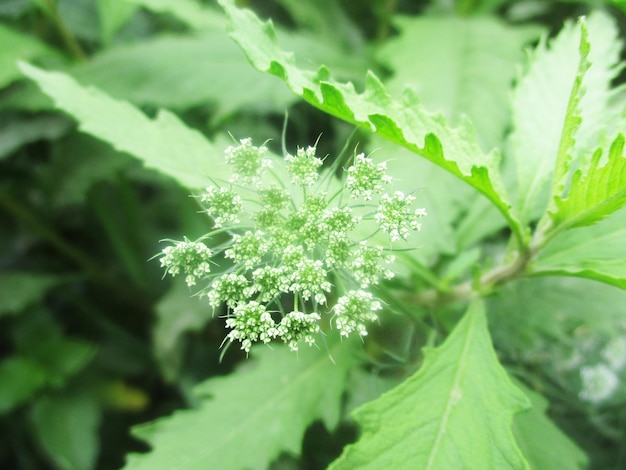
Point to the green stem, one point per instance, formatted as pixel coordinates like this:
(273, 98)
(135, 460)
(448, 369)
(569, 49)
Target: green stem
(68, 38)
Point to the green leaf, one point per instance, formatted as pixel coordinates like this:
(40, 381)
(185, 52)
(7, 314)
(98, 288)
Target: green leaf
(459, 66)
(19, 290)
(113, 15)
(455, 412)
(544, 445)
(190, 12)
(594, 252)
(177, 313)
(172, 72)
(164, 144)
(20, 378)
(66, 426)
(17, 46)
(596, 194)
(546, 121)
(17, 130)
(253, 415)
(405, 122)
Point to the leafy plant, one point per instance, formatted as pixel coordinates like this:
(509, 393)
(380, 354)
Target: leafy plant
(488, 334)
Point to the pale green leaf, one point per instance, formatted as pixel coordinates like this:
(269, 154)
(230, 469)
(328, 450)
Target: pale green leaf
(405, 122)
(181, 72)
(455, 412)
(15, 46)
(20, 378)
(544, 445)
(540, 106)
(459, 65)
(245, 420)
(19, 290)
(594, 252)
(177, 313)
(66, 426)
(596, 194)
(164, 144)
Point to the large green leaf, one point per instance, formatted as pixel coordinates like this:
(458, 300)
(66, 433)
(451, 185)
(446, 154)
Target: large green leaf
(459, 66)
(16, 46)
(248, 418)
(544, 445)
(594, 252)
(405, 121)
(544, 125)
(596, 194)
(165, 143)
(455, 412)
(190, 12)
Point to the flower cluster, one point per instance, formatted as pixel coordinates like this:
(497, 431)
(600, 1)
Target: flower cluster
(304, 255)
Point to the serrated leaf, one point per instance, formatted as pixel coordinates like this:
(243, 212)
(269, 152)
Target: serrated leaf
(455, 412)
(540, 107)
(596, 194)
(248, 418)
(459, 65)
(543, 443)
(405, 122)
(19, 290)
(594, 252)
(17, 46)
(164, 144)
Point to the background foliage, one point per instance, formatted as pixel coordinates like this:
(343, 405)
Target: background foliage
(113, 112)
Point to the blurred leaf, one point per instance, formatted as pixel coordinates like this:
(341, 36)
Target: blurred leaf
(17, 130)
(193, 14)
(597, 194)
(81, 18)
(542, 313)
(405, 122)
(253, 414)
(19, 290)
(177, 313)
(113, 15)
(184, 72)
(61, 357)
(544, 445)
(459, 66)
(540, 106)
(78, 162)
(595, 252)
(66, 426)
(164, 143)
(20, 378)
(455, 412)
(16, 46)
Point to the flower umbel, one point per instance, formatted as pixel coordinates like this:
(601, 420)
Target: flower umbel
(298, 256)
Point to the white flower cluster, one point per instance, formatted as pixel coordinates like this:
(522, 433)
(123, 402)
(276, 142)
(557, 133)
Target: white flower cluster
(301, 257)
